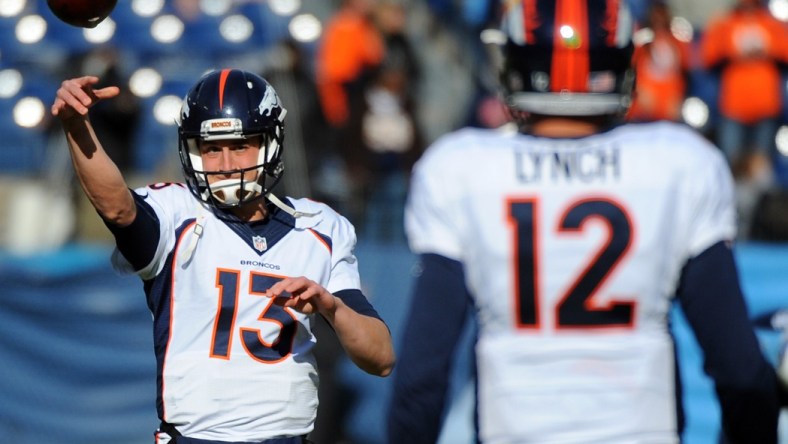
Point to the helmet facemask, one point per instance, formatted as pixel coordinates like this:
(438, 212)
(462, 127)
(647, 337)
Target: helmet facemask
(243, 187)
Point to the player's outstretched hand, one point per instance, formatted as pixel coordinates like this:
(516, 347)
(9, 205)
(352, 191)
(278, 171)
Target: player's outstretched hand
(303, 295)
(76, 96)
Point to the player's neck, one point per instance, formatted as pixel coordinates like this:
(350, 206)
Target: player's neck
(252, 212)
(564, 127)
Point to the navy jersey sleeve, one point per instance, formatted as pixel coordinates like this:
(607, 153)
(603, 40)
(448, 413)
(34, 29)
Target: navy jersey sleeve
(138, 240)
(438, 308)
(745, 382)
(356, 300)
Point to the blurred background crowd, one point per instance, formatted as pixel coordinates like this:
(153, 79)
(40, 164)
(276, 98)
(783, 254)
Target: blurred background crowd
(368, 84)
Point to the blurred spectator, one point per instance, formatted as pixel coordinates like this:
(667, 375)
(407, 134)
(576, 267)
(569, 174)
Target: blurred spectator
(391, 19)
(351, 50)
(384, 137)
(755, 179)
(748, 47)
(662, 64)
(286, 67)
(347, 58)
(465, 20)
(367, 70)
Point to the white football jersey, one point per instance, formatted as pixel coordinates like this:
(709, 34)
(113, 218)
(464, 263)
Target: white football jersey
(572, 250)
(233, 366)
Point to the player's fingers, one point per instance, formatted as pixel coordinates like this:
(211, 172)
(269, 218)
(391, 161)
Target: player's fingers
(282, 302)
(66, 107)
(289, 285)
(79, 95)
(298, 285)
(307, 293)
(81, 88)
(80, 82)
(276, 289)
(56, 106)
(69, 102)
(300, 305)
(71, 95)
(107, 93)
(294, 292)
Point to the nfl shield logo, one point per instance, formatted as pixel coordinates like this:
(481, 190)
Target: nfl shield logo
(259, 243)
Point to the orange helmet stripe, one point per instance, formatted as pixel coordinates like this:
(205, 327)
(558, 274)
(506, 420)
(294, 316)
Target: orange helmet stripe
(570, 66)
(611, 21)
(222, 81)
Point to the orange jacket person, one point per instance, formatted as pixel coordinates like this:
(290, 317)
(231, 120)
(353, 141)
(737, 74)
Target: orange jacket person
(747, 46)
(662, 65)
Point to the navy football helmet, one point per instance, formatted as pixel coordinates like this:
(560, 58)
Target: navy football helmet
(231, 104)
(565, 57)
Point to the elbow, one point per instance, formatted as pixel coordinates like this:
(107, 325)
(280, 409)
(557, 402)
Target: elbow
(387, 367)
(384, 369)
(118, 215)
(382, 366)
(387, 359)
(116, 219)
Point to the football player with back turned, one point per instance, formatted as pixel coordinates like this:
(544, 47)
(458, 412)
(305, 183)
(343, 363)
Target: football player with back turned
(233, 275)
(569, 240)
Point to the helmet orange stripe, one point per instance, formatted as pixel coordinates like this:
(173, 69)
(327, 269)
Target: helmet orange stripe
(570, 66)
(222, 81)
(611, 21)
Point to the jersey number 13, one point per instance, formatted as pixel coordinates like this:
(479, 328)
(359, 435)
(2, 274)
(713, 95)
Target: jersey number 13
(228, 283)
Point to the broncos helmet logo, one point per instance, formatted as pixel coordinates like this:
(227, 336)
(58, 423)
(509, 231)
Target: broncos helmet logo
(269, 103)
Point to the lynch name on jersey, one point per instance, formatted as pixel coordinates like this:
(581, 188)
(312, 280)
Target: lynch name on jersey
(590, 164)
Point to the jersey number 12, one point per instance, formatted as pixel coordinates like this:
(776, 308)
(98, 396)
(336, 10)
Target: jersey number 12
(574, 309)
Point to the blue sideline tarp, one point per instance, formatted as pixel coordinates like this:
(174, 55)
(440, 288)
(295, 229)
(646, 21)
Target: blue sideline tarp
(78, 366)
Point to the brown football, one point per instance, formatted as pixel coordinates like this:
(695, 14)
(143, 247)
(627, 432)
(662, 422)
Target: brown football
(82, 13)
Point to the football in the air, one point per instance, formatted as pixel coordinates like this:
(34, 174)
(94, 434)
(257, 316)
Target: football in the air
(82, 13)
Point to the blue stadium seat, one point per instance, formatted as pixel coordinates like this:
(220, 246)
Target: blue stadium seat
(21, 149)
(157, 144)
(153, 140)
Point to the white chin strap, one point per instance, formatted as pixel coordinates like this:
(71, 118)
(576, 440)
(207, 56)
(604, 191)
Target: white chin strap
(229, 191)
(287, 208)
